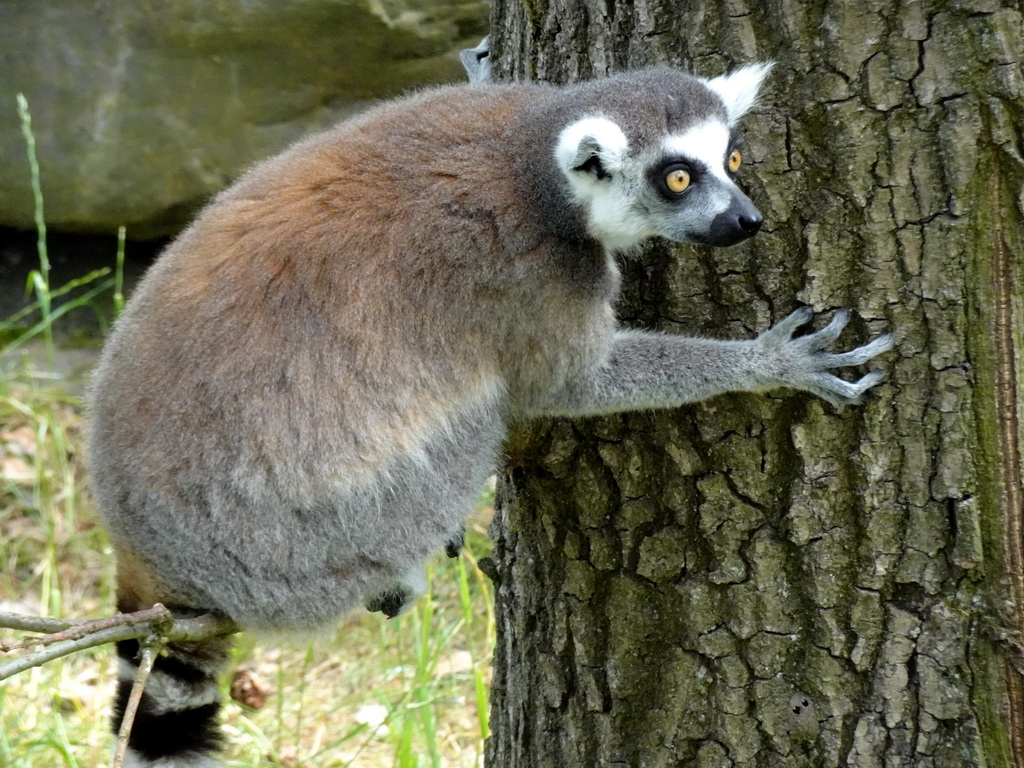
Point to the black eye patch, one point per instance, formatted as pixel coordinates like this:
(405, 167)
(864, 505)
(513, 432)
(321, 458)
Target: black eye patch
(659, 171)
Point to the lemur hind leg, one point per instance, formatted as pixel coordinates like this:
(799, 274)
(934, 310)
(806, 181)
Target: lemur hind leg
(456, 542)
(397, 599)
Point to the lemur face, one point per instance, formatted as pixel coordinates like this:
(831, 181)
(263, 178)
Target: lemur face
(691, 195)
(678, 184)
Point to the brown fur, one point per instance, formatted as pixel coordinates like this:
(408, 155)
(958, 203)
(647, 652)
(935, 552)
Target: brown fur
(137, 585)
(333, 312)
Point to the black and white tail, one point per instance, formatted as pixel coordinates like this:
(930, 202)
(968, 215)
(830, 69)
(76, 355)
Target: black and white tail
(176, 724)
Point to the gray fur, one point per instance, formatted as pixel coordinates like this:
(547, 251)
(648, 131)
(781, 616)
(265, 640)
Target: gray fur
(309, 389)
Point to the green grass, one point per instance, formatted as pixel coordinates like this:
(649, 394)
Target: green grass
(55, 562)
(39, 316)
(404, 693)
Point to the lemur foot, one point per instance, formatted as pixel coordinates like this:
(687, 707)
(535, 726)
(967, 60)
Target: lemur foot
(456, 543)
(398, 599)
(803, 363)
(391, 603)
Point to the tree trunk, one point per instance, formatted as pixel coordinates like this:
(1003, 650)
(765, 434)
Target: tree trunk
(766, 580)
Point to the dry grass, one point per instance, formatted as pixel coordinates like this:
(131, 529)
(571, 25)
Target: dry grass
(407, 693)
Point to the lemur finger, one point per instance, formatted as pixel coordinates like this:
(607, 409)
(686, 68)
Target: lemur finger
(828, 334)
(868, 380)
(835, 390)
(860, 354)
(840, 392)
(784, 331)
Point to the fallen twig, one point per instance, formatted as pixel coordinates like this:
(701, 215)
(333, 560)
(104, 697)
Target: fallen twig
(150, 650)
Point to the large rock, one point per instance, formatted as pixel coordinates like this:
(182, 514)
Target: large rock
(143, 109)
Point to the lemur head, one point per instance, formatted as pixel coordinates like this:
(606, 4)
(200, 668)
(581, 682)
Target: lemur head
(655, 154)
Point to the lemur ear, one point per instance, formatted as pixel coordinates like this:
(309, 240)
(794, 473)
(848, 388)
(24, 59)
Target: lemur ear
(594, 145)
(738, 90)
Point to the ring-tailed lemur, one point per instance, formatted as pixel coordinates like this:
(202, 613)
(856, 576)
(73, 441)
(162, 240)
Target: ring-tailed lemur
(309, 388)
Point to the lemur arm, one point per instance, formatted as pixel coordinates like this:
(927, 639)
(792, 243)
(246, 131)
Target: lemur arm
(654, 370)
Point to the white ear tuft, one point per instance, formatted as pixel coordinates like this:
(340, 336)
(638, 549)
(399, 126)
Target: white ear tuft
(588, 138)
(738, 89)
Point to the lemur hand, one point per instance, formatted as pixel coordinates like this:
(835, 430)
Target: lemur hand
(802, 363)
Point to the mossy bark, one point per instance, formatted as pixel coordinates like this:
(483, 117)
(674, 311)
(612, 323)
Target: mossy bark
(766, 580)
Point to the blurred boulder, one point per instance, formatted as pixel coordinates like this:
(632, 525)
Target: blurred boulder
(142, 110)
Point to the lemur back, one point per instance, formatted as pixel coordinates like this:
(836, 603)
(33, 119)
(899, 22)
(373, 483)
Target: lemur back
(309, 388)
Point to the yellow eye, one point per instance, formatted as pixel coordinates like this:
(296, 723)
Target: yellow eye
(677, 181)
(735, 160)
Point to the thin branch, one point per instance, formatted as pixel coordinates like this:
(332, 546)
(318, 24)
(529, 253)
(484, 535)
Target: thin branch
(34, 623)
(155, 622)
(72, 630)
(66, 647)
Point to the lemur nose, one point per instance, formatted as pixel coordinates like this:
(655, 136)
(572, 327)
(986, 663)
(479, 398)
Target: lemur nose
(736, 223)
(751, 224)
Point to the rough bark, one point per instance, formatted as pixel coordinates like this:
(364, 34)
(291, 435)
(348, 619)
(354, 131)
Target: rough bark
(765, 580)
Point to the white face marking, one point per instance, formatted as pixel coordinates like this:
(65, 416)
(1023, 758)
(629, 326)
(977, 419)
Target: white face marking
(610, 215)
(707, 142)
(614, 223)
(589, 134)
(738, 90)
